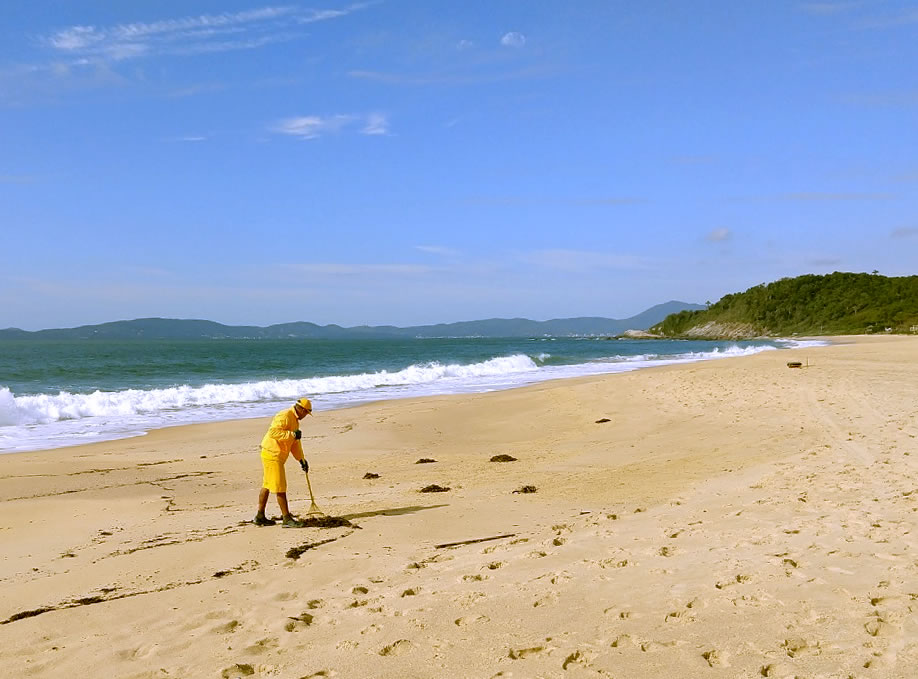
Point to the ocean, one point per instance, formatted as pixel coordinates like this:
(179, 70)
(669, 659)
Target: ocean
(63, 393)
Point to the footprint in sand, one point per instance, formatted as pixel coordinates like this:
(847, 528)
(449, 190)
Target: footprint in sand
(237, 671)
(520, 653)
(796, 647)
(471, 620)
(477, 577)
(302, 621)
(715, 658)
(225, 628)
(578, 657)
(261, 646)
(547, 600)
(397, 647)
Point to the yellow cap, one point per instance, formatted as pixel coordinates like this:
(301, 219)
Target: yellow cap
(305, 404)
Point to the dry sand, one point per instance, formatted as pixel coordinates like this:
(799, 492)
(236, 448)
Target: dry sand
(734, 518)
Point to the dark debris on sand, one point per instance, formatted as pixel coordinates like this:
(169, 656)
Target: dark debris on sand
(370, 475)
(503, 458)
(603, 420)
(434, 488)
(425, 460)
(526, 489)
(326, 522)
(295, 552)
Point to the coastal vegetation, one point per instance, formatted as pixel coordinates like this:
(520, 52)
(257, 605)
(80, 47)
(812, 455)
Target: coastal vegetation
(833, 304)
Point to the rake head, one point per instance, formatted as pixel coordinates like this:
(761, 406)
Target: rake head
(313, 507)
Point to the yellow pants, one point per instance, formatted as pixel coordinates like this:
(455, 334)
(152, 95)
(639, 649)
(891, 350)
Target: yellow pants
(275, 479)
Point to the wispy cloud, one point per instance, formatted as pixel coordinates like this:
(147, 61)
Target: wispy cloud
(191, 35)
(437, 250)
(582, 260)
(513, 39)
(376, 123)
(16, 179)
(341, 269)
(720, 235)
(891, 19)
(904, 232)
(464, 44)
(312, 127)
(192, 139)
(817, 196)
(550, 200)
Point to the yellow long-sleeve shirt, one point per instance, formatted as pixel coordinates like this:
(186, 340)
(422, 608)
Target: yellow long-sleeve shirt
(280, 440)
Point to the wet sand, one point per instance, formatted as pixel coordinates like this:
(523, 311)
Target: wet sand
(734, 518)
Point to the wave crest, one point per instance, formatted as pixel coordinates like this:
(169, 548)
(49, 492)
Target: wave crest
(48, 408)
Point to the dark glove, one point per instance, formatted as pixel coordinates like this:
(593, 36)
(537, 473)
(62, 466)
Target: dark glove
(297, 434)
(305, 465)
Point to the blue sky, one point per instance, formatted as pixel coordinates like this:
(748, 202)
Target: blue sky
(399, 162)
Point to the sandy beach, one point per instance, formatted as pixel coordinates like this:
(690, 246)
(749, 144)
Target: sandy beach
(731, 518)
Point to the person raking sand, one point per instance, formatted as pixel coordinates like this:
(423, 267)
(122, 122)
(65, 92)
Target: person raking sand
(281, 440)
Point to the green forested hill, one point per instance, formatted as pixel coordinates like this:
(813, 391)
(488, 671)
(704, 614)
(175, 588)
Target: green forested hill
(834, 304)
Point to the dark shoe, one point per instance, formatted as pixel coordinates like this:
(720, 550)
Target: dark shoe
(291, 522)
(262, 520)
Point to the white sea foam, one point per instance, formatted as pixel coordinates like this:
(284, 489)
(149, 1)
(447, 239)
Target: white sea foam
(30, 422)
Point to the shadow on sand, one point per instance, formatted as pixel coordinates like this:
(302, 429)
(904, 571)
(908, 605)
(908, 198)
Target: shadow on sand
(390, 512)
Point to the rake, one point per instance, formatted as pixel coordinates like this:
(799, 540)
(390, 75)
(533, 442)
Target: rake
(313, 507)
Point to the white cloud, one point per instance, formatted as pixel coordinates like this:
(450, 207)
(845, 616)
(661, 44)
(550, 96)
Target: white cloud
(513, 39)
(464, 44)
(436, 250)
(376, 123)
(719, 235)
(312, 127)
(222, 32)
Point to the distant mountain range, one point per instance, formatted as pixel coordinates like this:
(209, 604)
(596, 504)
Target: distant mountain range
(183, 329)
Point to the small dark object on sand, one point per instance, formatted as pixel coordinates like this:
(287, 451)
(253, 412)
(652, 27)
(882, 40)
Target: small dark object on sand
(794, 364)
(425, 460)
(603, 420)
(370, 475)
(503, 458)
(526, 489)
(434, 488)
(325, 522)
